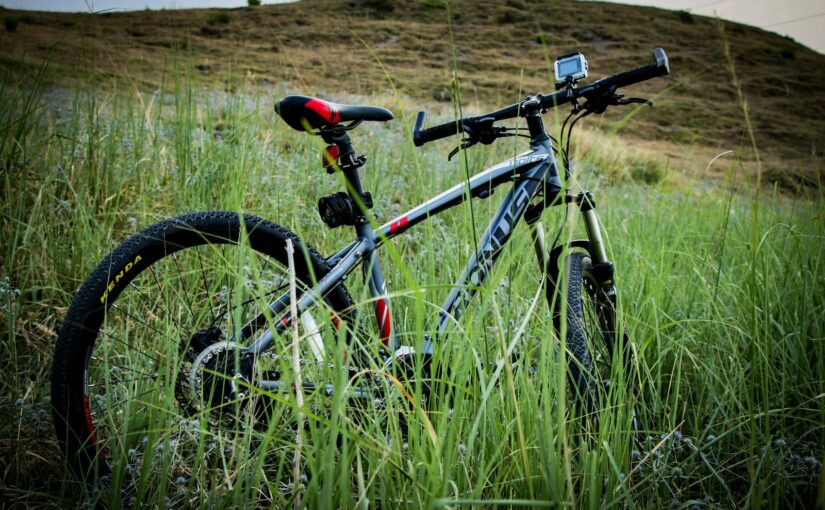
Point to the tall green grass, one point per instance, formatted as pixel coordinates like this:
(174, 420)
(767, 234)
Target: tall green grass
(728, 328)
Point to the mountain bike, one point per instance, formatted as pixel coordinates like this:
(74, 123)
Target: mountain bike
(190, 319)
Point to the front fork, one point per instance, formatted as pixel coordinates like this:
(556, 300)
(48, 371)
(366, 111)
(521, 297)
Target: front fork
(601, 268)
(598, 253)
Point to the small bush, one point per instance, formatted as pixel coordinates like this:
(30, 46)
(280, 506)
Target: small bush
(647, 172)
(11, 23)
(685, 17)
(211, 32)
(220, 17)
(253, 3)
(443, 94)
(381, 5)
(510, 16)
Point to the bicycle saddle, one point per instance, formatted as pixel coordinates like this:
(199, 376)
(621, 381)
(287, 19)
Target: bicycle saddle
(305, 113)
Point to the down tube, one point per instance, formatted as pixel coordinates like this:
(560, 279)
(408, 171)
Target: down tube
(492, 243)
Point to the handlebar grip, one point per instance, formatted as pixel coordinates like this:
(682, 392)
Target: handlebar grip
(419, 123)
(661, 61)
(422, 136)
(660, 68)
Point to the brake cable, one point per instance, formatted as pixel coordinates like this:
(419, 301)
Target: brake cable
(580, 112)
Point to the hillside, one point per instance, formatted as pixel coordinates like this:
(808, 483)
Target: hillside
(502, 50)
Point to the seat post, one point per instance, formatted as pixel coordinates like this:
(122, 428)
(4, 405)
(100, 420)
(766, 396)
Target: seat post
(348, 162)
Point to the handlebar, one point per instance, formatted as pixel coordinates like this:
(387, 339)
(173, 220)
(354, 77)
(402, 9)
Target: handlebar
(594, 90)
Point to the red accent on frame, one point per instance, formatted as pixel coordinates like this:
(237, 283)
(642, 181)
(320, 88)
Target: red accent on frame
(396, 225)
(88, 411)
(382, 316)
(336, 322)
(323, 109)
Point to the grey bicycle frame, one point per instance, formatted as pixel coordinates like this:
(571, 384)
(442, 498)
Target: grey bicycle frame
(532, 171)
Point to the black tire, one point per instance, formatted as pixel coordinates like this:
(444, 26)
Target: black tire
(138, 314)
(591, 337)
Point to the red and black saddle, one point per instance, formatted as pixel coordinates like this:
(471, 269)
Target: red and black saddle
(307, 113)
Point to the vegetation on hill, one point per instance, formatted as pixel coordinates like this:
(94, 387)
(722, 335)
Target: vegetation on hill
(501, 51)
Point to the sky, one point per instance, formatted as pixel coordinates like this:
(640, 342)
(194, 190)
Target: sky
(804, 20)
(121, 5)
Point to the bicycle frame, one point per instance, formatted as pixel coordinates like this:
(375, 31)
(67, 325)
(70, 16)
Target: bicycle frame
(532, 171)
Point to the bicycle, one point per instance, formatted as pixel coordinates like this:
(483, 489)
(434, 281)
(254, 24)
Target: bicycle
(166, 323)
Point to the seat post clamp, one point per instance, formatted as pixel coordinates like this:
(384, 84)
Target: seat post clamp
(351, 162)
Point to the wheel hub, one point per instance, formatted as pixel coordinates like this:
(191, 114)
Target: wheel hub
(218, 376)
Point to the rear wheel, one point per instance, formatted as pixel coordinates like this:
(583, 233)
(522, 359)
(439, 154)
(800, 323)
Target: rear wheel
(598, 356)
(151, 384)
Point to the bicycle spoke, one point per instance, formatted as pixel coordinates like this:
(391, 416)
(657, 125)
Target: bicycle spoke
(203, 276)
(113, 337)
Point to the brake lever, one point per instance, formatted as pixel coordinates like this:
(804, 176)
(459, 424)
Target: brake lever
(599, 106)
(634, 100)
(487, 135)
(466, 144)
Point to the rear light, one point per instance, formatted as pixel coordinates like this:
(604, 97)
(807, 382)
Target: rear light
(329, 156)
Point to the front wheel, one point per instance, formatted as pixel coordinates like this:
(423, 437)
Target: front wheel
(599, 360)
(150, 378)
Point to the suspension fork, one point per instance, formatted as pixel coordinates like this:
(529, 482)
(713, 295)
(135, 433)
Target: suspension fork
(537, 233)
(603, 268)
(587, 207)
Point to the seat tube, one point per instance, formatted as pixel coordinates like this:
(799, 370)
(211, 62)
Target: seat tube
(372, 269)
(381, 305)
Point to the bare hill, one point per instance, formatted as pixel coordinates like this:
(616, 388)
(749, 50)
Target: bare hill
(502, 50)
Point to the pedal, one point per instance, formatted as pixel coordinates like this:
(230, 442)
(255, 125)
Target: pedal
(403, 351)
(403, 365)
